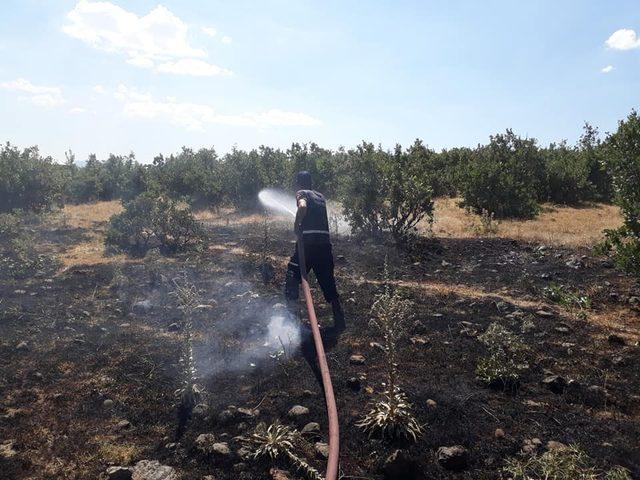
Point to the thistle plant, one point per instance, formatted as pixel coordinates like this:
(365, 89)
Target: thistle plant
(391, 415)
(187, 299)
(278, 441)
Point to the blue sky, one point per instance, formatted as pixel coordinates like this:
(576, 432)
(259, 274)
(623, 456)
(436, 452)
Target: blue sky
(150, 77)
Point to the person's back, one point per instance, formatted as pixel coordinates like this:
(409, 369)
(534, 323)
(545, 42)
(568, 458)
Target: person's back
(312, 224)
(315, 224)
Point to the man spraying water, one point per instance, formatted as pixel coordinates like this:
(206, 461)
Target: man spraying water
(312, 225)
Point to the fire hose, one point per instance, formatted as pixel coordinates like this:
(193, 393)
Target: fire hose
(330, 400)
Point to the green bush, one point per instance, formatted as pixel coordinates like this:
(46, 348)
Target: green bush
(149, 221)
(623, 161)
(570, 463)
(18, 256)
(505, 177)
(386, 192)
(28, 181)
(506, 360)
(567, 175)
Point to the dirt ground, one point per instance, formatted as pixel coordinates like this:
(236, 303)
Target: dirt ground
(92, 348)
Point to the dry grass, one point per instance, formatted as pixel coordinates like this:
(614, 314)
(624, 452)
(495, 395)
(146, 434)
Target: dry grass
(556, 225)
(92, 218)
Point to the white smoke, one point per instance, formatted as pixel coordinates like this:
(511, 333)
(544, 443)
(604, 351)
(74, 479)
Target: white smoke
(282, 332)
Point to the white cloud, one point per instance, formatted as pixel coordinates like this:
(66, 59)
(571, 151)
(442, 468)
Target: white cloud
(607, 69)
(195, 116)
(192, 66)
(159, 37)
(99, 89)
(623, 39)
(226, 39)
(210, 31)
(78, 110)
(43, 96)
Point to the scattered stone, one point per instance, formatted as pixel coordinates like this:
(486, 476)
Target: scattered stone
(419, 340)
(322, 449)
(530, 446)
(454, 458)
(125, 325)
(249, 412)
(119, 473)
(311, 428)
(204, 306)
(298, 411)
(108, 403)
(143, 306)
(221, 448)
(555, 383)
(7, 450)
(123, 425)
(208, 477)
(545, 314)
(308, 393)
(226, 416)
(499, 433)
(377, 345)
(277, 474)
(22, 346)
(562, 328)
(171, 446)
(204, 442)
(432, 404)
(357, 359)
(595, 396)
(400, 466)
(201, 410)
(153, 470)
(616, 340)
(174, 327)
(556, 446)
(354, 383)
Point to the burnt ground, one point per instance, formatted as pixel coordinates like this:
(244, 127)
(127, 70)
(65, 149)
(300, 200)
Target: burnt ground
(87, 340)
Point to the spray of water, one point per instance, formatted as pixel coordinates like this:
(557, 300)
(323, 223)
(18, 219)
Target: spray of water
(278, 201)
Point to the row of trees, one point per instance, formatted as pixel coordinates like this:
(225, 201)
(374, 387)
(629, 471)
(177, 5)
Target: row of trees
(380, 190)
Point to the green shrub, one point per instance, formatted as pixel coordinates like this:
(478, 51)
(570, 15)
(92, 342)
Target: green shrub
(28, 181)
(386, 193)
(567, 175)
(150, 221)
(506, 360)
(569, 463)
(18, 256)
(505, 177)
(623, 161)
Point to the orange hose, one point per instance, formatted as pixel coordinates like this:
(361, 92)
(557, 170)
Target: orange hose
(330, 400)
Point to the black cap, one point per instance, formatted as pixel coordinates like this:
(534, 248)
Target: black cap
(303, 180)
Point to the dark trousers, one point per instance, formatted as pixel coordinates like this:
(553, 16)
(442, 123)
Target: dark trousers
(319, 258)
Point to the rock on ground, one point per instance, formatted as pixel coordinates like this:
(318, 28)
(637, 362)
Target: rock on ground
(119, 473)
(298, 411)
(454, 458)
(153, 470)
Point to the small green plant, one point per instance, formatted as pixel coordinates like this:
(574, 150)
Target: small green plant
(575, 301)
(391, 415)
(507, 357)
(279, 441)
(565, 464)
(486, 222)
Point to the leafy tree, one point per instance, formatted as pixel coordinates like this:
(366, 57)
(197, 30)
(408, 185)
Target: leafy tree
(505, 177)
(567, 175)
(623, 161)
(384, 192)
(28, 181)
(592, 153)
